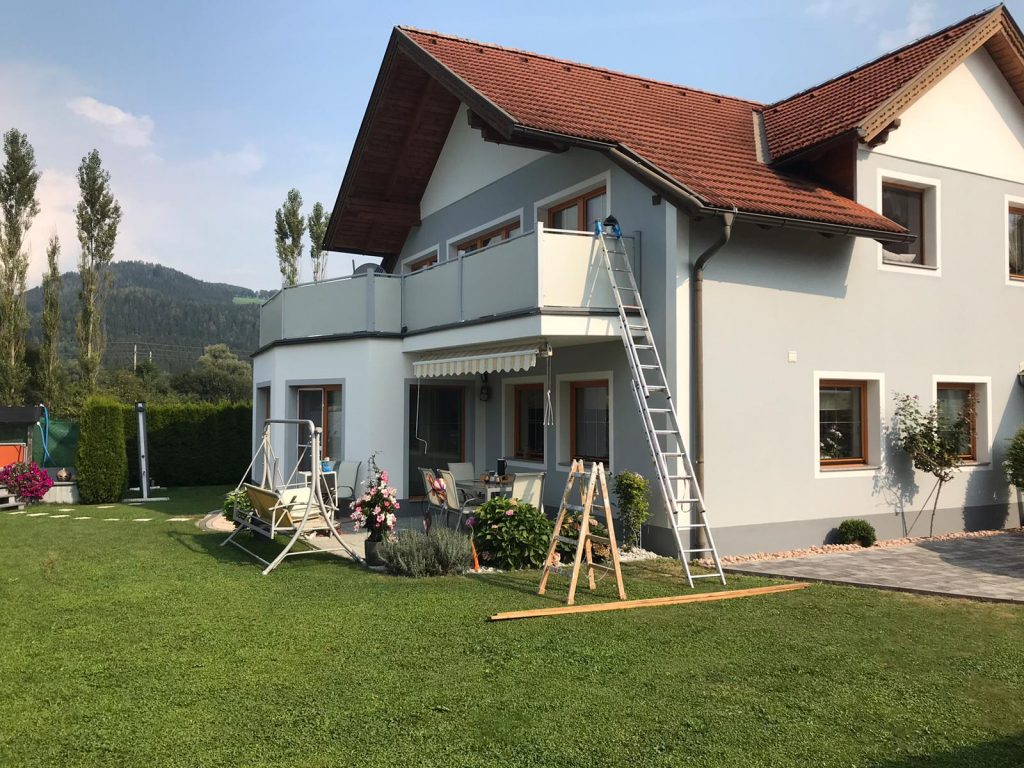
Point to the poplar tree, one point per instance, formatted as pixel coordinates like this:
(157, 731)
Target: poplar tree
(49, 354)
(289, 227)
(18, 205)
(98, 215)
(317, 230)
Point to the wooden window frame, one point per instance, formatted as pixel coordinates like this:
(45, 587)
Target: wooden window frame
(1012, 210)
(921, 241)
(580, 201)
(517, 453)
(972, 392)
(862, 460)
(475, 240)
(323, 389)
(573, 386)
(422, 263)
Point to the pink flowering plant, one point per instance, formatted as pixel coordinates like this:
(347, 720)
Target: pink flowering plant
(377, 509)
(510, 534)
(29, 482)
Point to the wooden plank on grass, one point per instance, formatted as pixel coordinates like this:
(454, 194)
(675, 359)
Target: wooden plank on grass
(651, 602)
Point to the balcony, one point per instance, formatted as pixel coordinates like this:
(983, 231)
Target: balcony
(553, 270)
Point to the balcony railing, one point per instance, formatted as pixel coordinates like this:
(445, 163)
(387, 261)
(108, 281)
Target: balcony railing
(539, 269)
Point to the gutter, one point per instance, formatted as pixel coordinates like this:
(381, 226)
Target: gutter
(697, 344)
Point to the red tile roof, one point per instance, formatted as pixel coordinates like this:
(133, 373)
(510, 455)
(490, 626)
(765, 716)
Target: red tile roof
(839, 105)
(703, 141)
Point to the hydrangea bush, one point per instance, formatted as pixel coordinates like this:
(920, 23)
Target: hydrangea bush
(377, 509)
(29, 482)
(510, 534)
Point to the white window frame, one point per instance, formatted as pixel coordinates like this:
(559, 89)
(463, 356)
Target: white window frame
(1009, 200)
(436, 248)
(983, 417)
(452, 243)
(933, 219)
(508, 415)
(540, 207)
(875, 409)
(562, 415)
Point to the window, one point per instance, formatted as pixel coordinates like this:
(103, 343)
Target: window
(528, 426)
(588, 426)
(906, 206)
(954, 400)
(1016, 244)
(475, 243)
(422, 263)
(262, 406)
(842, 420)
(322, 406)
(579, 213)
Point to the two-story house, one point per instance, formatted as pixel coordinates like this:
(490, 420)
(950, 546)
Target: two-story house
(861, 238)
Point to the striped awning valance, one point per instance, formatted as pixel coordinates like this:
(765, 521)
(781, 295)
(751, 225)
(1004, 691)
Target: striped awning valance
(475, 360)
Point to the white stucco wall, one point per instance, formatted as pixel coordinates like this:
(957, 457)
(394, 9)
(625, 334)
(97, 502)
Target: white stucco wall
(468, 163)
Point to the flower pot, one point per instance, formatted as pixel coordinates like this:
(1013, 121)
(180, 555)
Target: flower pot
(370, 553)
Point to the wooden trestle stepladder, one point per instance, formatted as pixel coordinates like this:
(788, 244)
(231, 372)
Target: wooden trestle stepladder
(594, 489)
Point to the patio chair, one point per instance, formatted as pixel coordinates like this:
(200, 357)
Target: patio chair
(346, 474)
(463, 471)
(528, 487)
(432, 499)
(458, 500)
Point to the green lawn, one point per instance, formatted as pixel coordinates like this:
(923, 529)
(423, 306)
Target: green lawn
(146, 644)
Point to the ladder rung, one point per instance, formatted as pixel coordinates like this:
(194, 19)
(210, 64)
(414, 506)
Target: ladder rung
(659, 410)
(702, 549)
(665, 432)
(687, 501)
(656, 387)
(692, 525)
(672, 453)
(616, 269)
(705, 576)
(643, 346)
(648, 366)
(679, 477)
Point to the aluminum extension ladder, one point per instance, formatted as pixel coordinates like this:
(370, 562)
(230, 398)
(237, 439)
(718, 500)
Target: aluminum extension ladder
(684, 500)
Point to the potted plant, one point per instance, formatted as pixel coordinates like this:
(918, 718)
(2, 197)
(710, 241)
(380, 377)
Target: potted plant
(376, 510)
(27, 482)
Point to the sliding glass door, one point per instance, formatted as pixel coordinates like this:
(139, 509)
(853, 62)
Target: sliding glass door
(437, 430)
(322, 406)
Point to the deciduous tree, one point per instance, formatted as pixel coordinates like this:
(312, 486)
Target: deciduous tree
(317, 229)
(50, 372)
(98, 215)
(18, 205)
(289, 227)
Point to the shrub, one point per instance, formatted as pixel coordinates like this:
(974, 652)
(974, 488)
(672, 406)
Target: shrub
(856, 532)
(102, 463)
(571, 530)
(632, 490)
(510, 534)
(415, 554)
(26, 481)
(1013, 465)
(231, 498)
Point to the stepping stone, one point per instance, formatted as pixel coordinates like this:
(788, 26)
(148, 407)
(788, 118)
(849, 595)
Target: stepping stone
(142, 519)
(66, 509)
(111, 519)
(38, 514)
(54, 517)
(177, 520)
(83, 518)
(106, 506)
(18, 512)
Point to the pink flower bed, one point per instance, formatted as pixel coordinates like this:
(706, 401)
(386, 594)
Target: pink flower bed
(29, 482)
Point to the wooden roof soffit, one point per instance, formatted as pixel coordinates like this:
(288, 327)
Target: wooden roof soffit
(996, 32)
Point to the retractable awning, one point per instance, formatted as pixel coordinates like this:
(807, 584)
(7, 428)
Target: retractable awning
(476, 360)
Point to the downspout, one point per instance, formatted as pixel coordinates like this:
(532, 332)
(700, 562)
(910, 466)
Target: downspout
(697, 336)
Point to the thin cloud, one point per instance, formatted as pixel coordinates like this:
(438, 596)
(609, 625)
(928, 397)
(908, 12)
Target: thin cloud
(919, 22)
(124, 127)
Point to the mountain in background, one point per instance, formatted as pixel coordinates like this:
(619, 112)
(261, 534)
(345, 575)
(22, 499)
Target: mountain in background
(166, 313)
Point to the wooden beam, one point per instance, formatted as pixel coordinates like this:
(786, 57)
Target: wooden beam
(651, 602)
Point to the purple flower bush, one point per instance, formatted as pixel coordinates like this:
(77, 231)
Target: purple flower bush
(29, 482)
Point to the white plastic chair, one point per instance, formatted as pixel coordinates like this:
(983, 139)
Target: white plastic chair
(528, 487)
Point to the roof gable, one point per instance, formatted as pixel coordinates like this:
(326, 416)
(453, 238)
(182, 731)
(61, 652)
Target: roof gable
(864, 103)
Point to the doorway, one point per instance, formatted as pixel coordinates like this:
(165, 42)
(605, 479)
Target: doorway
(441, 430)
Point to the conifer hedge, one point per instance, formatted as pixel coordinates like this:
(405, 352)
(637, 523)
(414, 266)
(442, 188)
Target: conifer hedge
(192, 443)
(101, 465)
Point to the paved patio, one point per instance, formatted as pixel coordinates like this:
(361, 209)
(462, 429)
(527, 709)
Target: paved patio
(990, 568)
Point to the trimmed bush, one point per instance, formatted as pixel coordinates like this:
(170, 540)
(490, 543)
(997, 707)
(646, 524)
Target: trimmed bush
(510, 534)
(1013, 465)
(856, 532)
(193, 443)
(632, 490)
(102, 464)
(440, 553)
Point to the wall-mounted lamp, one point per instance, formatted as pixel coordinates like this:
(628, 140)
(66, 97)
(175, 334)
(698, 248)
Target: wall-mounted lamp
(485, 388)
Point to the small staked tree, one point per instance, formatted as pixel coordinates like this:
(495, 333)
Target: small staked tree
(19, 206)
(49, 354)
(289, 227)
(317, 222)
(98, 215)
(935, 443)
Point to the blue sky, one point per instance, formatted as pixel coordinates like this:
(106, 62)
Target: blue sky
(206, 113)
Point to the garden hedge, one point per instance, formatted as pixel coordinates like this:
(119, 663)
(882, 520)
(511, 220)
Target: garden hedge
(102, 464)
(192, 443)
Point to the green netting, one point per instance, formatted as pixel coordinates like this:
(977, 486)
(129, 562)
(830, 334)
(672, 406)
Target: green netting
(63, 444)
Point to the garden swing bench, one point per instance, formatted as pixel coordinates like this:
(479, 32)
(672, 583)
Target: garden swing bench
(286, 508)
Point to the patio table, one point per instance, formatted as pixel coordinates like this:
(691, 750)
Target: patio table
(487, 489)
